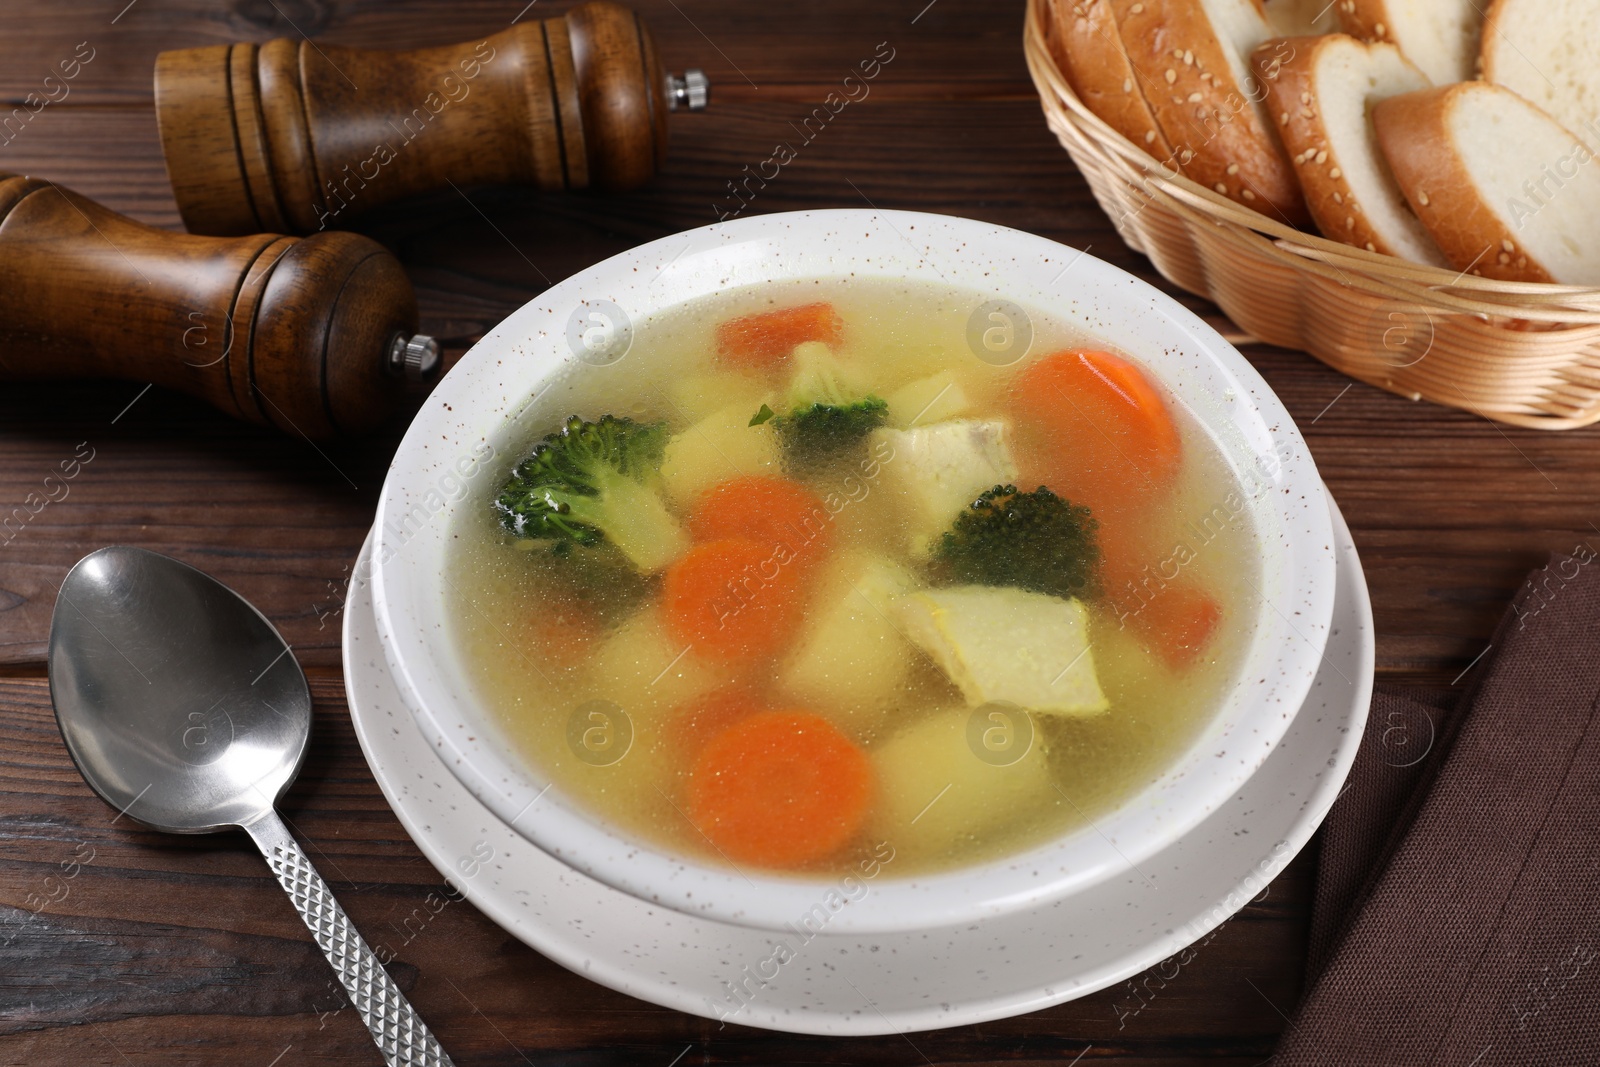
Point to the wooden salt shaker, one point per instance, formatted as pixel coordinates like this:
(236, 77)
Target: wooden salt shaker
(315, 336)
(296, 137)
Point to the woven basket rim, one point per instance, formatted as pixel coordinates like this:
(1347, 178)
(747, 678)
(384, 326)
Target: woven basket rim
(1431, 289)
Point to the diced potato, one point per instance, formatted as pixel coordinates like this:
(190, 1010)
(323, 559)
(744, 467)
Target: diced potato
(640, 668)
(1003, 644)
(927, 401)
(720, 446)
(937, 470)
(635, 683)
(851, 660)
(698, 395)
(937, 794)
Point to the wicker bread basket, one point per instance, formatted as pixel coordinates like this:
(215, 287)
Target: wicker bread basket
(1522, 353)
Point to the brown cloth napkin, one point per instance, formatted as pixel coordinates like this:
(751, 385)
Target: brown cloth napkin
(1457, 912)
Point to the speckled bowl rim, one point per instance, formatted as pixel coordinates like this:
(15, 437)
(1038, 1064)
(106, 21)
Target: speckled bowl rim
(477, 404)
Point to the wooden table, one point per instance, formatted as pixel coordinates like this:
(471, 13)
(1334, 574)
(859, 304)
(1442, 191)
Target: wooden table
(126, 947)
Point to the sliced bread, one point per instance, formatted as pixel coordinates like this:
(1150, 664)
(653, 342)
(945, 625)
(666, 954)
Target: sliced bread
(1544, 51)
(1506, 191)
(1321, 89)
(1192, 59)
(1439, 36)
(1082, 35)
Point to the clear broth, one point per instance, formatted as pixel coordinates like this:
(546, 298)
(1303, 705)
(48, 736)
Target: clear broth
(541, 692)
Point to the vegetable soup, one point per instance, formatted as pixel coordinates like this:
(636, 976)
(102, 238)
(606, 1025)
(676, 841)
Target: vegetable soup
(811, 575)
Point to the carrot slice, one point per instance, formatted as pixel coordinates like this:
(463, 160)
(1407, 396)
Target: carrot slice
(766, 338)
(561, 631)
(1172, 616)
(780, 789)
(1095, 429)
(731, 600)
(770, 511)
(1177, 623)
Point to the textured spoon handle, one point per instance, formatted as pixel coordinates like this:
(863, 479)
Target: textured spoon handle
(402, 1036)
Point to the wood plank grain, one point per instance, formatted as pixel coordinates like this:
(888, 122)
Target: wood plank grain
(945, 49)
(119, 941)
(109, 154)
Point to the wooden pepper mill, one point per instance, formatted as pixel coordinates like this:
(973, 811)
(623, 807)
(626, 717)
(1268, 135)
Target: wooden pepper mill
(316, 336)
(295, 137)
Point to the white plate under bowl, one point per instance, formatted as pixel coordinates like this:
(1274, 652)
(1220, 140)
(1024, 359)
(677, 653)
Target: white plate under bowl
(477, 410)
(840, 984)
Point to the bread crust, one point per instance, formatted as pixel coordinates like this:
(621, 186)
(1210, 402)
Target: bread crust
(1414, 134)
(1215, 132)
(1366, 20)
(1083, 39)
(1488, 50)
(1292, 100)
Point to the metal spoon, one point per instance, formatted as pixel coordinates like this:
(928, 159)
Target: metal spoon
(184, 710)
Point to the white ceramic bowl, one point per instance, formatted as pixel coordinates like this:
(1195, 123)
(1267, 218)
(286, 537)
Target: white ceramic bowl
(475, 408)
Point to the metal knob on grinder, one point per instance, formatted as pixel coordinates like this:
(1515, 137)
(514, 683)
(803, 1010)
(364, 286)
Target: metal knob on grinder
(316, 336)
(296, 137)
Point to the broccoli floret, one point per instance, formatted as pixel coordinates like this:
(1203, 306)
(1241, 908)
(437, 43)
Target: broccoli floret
(824, 413)
(593, 483)
(1034, 541)
(822, 431)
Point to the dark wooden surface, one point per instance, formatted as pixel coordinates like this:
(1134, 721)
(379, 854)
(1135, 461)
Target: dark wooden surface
(183, 951)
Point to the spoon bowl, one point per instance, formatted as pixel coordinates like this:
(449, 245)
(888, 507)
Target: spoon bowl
(178, 701)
